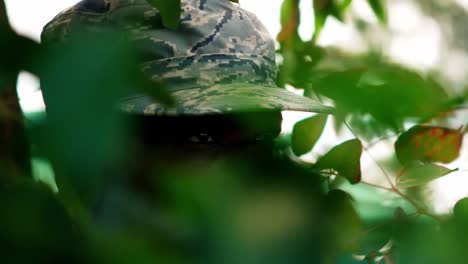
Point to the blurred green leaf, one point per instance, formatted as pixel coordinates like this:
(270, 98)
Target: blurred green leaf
(346, 225)
(170, 12)
(306, 133)
(378, 6)
(400, 213)
(34, 226)
(344, 4)
(390, 94)
(460, 210)
(289, 18)
(418, 174)
(82, 81)
(429, 143)
(344, 159)
(17, 52)
(325, 8)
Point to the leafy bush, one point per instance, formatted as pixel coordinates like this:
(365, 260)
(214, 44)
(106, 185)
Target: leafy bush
(252, 207)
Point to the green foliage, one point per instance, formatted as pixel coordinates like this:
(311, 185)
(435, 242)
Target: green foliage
(17, 52)
(345, 159)
(306, 133)
(460, 210)
(391, 95)
(418, 174)
(325, 8)
(378, 6)
(90, 133)
(249, 205)
(35, 227)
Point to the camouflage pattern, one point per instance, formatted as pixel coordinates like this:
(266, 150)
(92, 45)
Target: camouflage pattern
(220, 59)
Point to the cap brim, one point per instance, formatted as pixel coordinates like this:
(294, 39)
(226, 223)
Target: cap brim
(224, 98)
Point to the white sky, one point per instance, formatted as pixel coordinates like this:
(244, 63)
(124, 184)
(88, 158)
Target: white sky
(417, 42)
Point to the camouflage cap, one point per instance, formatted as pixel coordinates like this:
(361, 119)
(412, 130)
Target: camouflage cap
(220, 59)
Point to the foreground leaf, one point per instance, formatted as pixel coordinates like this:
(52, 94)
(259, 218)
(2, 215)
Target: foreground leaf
(389, 94)
(378, 7)
(170, 11)
(325, 8)
(344, 159)
(346, 225)
(307, 132)
(290, 17)
(460, 210)
(420, 174)
(429, 143)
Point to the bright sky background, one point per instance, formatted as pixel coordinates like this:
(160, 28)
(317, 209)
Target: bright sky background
(417, 42)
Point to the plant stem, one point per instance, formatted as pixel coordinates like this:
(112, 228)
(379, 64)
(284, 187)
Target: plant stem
(377, 186)
(420, 209)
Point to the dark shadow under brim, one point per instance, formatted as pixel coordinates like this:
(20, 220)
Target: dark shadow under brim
(222, 99)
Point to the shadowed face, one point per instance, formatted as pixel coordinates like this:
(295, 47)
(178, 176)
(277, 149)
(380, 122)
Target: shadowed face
(165, 143)
(202, 134)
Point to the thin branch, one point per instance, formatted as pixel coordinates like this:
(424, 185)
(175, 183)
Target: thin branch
(378, 186)
(417, 206)
(393, 188)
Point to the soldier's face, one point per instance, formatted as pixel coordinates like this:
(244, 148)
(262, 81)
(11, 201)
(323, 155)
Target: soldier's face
(167, 144)
(186, 138)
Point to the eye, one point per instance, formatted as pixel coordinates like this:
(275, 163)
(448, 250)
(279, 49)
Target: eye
(201, 138)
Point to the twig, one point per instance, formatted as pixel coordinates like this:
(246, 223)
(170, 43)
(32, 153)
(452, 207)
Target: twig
(394, 188)
(378, 186)
(417, 206)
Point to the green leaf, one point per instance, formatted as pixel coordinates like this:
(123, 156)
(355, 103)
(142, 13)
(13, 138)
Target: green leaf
(306, 133)
(344, 159)
(389, 94)
(400, 213)
(460, 210)
(17, 52)
(290, 17)
(170, 12)
(429, 143)
(343, 219)
(378, 7)
(325, 8)
(418, 174)
(345, 4)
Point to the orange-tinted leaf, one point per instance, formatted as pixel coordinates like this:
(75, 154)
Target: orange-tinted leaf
(428, 143)
(306, 133)
(344, 159)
